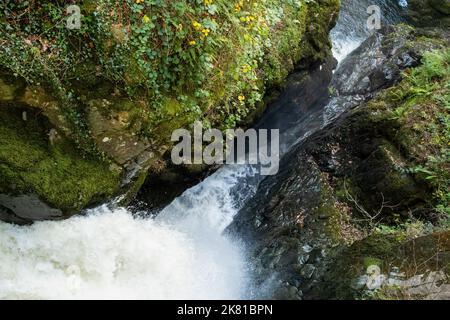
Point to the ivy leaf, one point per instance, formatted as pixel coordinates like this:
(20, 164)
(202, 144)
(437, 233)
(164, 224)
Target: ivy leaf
(212, 9)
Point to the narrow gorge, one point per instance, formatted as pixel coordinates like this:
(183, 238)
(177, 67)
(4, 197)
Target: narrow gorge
(92, 207)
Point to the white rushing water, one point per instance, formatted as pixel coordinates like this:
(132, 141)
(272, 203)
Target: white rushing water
(108, 254)
(352, 29)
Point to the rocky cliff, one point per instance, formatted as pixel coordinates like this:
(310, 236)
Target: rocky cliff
(86, 113)
(357, 192)
(429, 13)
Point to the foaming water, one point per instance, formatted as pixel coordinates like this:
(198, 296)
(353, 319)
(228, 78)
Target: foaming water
(180, 254)
(351, 29)
(111, 255)
(212, 204)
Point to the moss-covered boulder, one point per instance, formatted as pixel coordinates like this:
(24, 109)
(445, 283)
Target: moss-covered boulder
(111, 92)
(40, 169)
(429, 13)
(379, 159)
(441, 6)
(390, 267)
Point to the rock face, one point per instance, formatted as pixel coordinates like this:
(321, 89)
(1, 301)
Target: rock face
(397, 269)
(41, 163)
(306, 87)
(85, 116)
(429, 13)
(42, 174)
(343, 179)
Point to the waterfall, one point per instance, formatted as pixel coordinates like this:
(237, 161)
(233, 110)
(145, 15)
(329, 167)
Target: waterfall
(111, 255)
(180, 254)
(352, 30)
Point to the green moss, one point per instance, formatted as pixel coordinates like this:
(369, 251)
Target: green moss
(429, 13)
(251, 45)
(350, 263)
(57, 173)
(420, 105)
(414, 119)
(333, 218)
(160, 65)
(371, 261)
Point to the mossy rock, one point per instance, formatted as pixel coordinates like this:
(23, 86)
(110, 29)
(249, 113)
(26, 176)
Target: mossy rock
(115, 90)
(391, 256)
(443, 6)
(429, 13)
(37, 160)
(383, 179)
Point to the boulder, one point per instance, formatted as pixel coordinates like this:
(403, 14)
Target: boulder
(387, 267)
(429, 13)
(343, 179)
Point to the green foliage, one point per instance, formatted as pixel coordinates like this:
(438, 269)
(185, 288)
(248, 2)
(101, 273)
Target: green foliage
(174, 61)
(206, 54)
(214, 57)
(37, 46)
(423, 106)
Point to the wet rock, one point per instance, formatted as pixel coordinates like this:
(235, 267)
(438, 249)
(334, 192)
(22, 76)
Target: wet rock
(415, 269)
(429, 13)
(164, 184)
(25, 208)
(308, 271)
(305, 209)
(378, 62)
